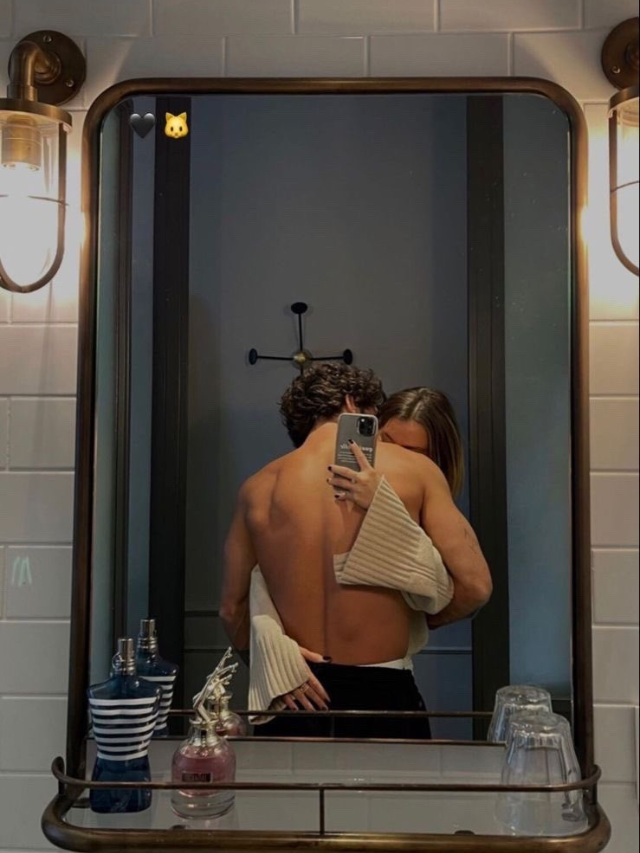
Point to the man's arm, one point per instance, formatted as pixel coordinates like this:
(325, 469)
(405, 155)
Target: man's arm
(239, 561)
(458, 545)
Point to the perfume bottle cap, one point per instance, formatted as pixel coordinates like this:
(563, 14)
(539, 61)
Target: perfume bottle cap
(147, 635)
(147, 627)
(124, 661)
(206, 703)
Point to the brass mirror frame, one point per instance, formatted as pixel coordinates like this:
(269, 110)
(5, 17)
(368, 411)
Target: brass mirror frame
(85, 431)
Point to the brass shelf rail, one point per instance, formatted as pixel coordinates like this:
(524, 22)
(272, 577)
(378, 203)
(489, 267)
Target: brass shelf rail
(70, 837)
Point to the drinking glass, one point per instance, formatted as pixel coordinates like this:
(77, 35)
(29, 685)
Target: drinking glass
(540, 751)
(512, 700)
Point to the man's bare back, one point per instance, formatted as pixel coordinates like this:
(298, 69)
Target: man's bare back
(296, 528)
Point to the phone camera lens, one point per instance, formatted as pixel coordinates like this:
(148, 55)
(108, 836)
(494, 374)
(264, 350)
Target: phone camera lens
(365, 426)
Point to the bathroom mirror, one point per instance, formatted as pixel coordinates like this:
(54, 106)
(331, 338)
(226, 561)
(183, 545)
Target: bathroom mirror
(430, 230)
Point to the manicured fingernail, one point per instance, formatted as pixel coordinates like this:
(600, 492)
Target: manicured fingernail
(351, 441)
(329, 468)
(327, 659)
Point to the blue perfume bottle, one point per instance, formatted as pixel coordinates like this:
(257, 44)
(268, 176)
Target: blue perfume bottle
(154, 669)
(124, 712)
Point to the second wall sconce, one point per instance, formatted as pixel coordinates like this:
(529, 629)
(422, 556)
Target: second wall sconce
(46, 69)
(621, 64)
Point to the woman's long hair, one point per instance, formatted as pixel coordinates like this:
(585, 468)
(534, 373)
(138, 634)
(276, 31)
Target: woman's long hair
(433, 411)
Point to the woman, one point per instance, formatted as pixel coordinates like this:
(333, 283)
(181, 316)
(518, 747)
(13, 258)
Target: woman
(421, 420)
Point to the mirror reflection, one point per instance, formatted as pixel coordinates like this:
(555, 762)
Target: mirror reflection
(334, 402)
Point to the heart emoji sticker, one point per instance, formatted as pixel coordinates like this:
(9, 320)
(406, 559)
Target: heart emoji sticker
(142, 124)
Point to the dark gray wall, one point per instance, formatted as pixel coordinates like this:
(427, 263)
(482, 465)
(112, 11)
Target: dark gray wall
(141, 376)
(538, 390)
(354, 204)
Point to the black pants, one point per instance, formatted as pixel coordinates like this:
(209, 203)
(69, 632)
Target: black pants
(356, 688)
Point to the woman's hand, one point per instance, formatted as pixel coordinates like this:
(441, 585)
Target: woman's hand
(359, 487)
(311, 695)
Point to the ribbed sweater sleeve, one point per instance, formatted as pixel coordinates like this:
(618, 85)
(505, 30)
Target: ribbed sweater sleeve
(277, 666)
(393, 551)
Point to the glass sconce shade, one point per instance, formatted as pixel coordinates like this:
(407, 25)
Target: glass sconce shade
(33, 165)
(623, 162)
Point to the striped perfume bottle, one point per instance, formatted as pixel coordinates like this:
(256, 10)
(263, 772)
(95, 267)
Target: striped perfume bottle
(154, 669)
(124, 713)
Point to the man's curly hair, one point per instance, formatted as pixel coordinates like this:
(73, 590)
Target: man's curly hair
(320, 392)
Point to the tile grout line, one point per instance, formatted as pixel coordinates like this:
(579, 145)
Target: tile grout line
(225, 47)
(7, 449)
(367, 56)
(3, 581)
(632, 398)
(510, 54)
(437, 16)
(615, 549)
(581, 14)
(295, 17)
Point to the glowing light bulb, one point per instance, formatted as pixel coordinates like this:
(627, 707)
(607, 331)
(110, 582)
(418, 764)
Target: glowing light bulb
(28, 221)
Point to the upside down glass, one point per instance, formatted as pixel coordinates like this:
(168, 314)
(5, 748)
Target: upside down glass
(540, 751)
(516, 699)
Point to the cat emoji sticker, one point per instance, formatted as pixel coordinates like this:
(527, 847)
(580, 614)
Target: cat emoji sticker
(176, 126)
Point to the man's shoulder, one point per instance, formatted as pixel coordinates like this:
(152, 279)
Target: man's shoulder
(265, 477)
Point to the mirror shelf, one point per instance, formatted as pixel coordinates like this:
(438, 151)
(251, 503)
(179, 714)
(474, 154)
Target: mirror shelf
(313, 795)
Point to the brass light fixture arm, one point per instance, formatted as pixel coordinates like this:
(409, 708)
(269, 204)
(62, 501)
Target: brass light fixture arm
(30, 64)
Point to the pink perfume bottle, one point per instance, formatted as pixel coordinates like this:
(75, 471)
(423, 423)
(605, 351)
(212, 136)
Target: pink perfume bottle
(203, 757)
(229, 723)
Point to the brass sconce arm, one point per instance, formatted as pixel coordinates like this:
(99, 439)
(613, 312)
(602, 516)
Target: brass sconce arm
(29, 65)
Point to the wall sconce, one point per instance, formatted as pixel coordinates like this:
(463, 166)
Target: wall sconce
(621, 64)
(46, 69)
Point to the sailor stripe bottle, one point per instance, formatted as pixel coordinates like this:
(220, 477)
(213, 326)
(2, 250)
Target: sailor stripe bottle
(124, 713)
(154, 669)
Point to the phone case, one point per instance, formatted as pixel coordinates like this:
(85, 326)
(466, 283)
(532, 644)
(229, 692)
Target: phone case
(355, 427)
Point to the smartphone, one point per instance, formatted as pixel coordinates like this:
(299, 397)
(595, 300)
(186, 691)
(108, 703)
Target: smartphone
(363, 429)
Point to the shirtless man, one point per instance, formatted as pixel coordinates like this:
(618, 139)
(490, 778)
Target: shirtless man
(289, 522)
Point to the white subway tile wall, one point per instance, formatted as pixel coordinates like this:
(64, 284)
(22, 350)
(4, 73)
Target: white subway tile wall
(615, 586)
(223, 18)
(614, 433)
(295, 56)
(437, 55)
(621, 805)
(38, 582)
(614, 365)
(117, 18)
(22, 721)
(615, 729)
(4, 433)
(615, 665)
(5, 306)
(571, 59)
(614, 509)
(42, 433)
(5, 17)
(38, 360)
(111, 60)
(608, 13)
(365, 17)
(557, 39)
(510, 15)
